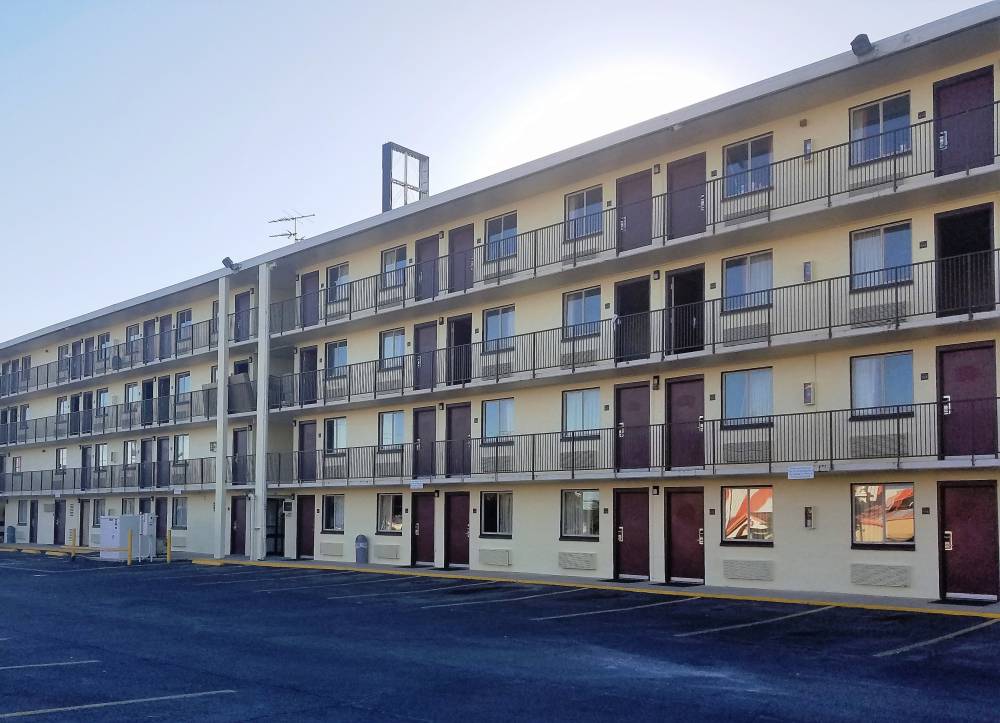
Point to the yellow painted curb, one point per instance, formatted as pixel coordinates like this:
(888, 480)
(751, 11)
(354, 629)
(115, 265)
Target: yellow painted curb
(619, 588)
(56, 553)
(29, 551)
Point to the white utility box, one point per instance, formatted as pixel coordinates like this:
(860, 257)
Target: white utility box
(114, 536)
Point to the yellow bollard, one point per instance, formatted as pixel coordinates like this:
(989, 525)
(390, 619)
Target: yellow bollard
(170, 543)
(130, 547)
(72, 543)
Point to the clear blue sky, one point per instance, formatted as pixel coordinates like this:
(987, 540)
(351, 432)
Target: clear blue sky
(143, 141)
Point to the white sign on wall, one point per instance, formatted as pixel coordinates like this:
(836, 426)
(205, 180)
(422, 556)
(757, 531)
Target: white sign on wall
(801, 471)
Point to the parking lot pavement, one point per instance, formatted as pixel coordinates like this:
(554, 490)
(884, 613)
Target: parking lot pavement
(86, 640)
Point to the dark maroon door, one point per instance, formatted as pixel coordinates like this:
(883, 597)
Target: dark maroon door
(969, 545)
(635, 211)
(686, 536)
(425, 273)
(632, 426)
(309, 299)
(456, 514)
(967, 405)
(963, 112)
(686, 196)
(632, 319)
(685, 423)
(461, 243)
(308, 378)
(306, 525)
(424, 354)
(59, 533)
(458, 431)
(237, 527)
(307, 451)
(424, 441)
(241, 316)
(632, 532)
(423, 528)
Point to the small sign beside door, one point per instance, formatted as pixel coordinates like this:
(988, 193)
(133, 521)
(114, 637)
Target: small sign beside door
(416, 485)
(801, 471)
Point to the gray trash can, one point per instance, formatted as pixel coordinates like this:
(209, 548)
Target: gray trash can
(11, 535)
(361, 549)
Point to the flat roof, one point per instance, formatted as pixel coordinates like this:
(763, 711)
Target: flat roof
(842, 62)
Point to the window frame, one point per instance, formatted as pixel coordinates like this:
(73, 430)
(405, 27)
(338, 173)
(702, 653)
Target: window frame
(343, 509)
(748, 300)
(181, 449)
(754, 420)
(402, 514)
(97, 506)
(903, 274)
(563, 535)
(861, 143)
(173, 512)
(497, 535)
(391, 363)
(501, 438)
(583, 329)
(395, 278)
(728, 191)
(583, 433)
(883, 411)
(500, 343)
(329, 451)
(335, 371)
(723, 517)
(591, 227)
(338, 291)
(909, 545)
(506, 246)
(391, 446)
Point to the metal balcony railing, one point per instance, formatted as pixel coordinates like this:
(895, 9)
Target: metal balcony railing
(242, 326)
(871, 164)
(964, 429)
(136, 415)
(190, 473)
(240, 470)
(959, 285)
(173, 344)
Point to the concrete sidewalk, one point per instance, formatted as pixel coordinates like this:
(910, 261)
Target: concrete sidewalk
(791, 597)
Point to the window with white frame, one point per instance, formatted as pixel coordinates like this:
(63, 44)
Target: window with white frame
(61, 453)
(498, 329)
(581, 410)
(582, 312)
(184, 323)
(101, 454)
(98, 512)
(498, 418)
(390, 428)
(883, 514)
(133, 394)
(333, 513)
(131, 452)
(15, 464)
(182, 384)
(179, 513)
(338, 283)
(22, 512)
(390, 514)
(181, 451)
(393, 267)
(336, 358)
(497, 516)
(128, 506)
(501, 236)
(881, 255)
(62, 406)
(335, 435)
(581, 513)
(880, 129)
(882, 383)
(748, 166)
(747, 281)
(392, 347)
(747, 396)
(748, 514)
(584, 212)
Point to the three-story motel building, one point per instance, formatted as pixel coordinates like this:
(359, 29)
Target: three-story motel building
(748, 343)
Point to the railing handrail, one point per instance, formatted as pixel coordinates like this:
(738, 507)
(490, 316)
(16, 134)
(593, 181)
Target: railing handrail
(192, 472)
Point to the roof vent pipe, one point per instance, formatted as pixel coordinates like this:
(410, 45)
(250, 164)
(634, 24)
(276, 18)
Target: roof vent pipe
(861, 45)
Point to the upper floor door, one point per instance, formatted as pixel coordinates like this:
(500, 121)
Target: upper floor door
(635, 207)
(963, 112)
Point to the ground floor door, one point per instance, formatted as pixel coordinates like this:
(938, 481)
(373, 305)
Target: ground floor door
(306, 527)
(970, 558)
(632, 532)
(160, 510)
(33, 521)
(238, 526)
(275, 533)
(59, 528)
(685, 515)
(422, 539)
(84, 536)
(456, 536)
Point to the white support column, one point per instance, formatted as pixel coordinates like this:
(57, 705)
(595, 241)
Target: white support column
(258, 539)
(221, 419)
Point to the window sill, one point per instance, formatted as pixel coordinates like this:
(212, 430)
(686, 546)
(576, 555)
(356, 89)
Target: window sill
(880, 286)
(884, 546)
(498, 259)
(390, 533)
(580, 437)
(871, 161)
(331, 532)
(740, 424)
(578, 538)
(877, 415)
(494, 536)
(569, 338)
(738, 195)
(583, 236)
(390, 449)
(746, 543)
(496, 350)
(179, 529)
(750, 308)
(488, 443)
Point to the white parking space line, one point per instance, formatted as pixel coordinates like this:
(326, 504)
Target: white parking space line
(113, 703)
(503, 600)
(207, 575)
(388, 578)
(768, 621)
(949, 636)
(615, 610)
(410, 592)
(260, 577)
(49, 665)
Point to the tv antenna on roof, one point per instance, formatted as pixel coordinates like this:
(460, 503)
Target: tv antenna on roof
(294, 233)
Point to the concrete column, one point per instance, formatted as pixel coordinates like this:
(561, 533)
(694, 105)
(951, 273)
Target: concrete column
(258, 534)
(222, 420)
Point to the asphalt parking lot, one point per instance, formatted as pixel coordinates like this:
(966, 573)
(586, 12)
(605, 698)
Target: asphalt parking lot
(84, 640)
